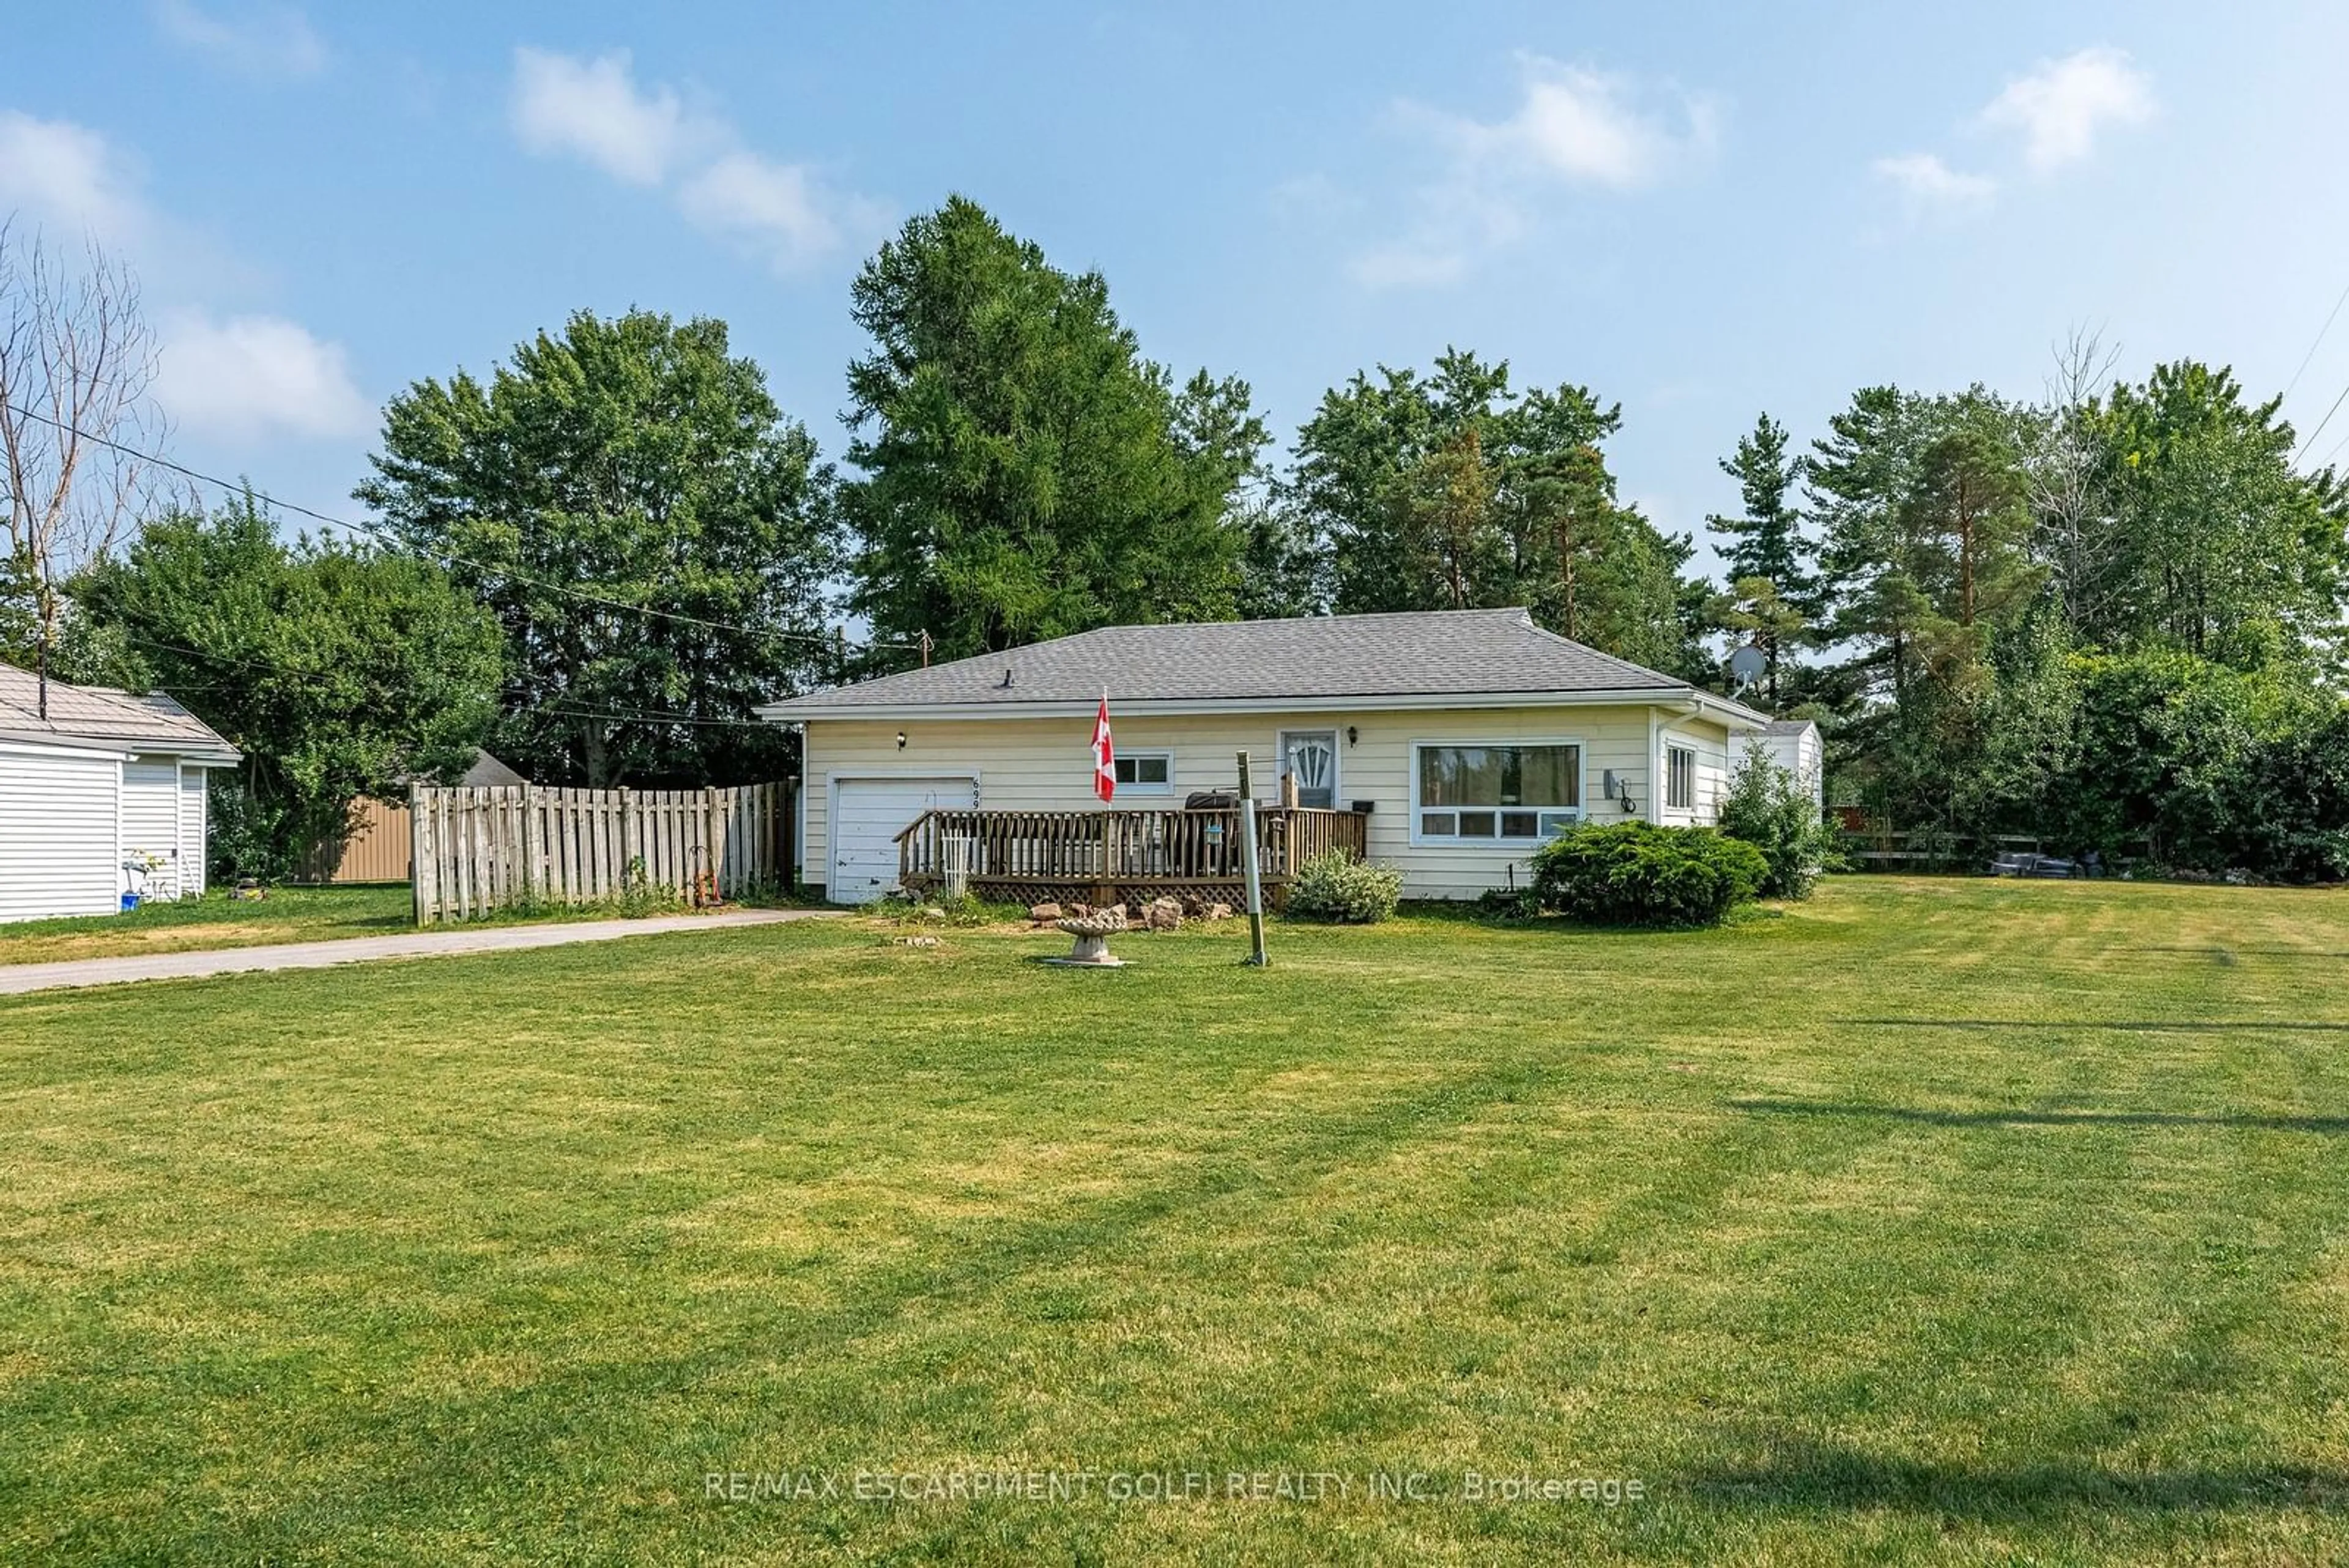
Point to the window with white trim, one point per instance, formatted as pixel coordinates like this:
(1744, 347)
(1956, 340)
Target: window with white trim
(1496, 795)
(1145, 773)
(1679, 778)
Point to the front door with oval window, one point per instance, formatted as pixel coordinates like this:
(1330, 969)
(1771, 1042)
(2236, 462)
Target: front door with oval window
(1310, 757)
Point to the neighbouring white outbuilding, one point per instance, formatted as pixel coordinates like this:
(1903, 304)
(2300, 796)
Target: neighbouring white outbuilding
(105, 795)
(1794, 745)
(1455, 742)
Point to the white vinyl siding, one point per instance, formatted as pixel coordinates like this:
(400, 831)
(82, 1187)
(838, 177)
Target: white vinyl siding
(196, 849)
(59, 852)
(1706, 774)
(150, 824)
(1047, 765)
(1799, 754)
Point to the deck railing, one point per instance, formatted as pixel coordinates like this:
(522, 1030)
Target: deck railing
(1055, 849)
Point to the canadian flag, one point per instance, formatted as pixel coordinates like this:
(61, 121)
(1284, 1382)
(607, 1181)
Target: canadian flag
(1104, 757)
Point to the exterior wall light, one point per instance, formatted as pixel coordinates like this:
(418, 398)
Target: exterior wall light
(901, 740)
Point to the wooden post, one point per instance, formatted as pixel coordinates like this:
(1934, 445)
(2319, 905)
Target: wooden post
(788, 851)
(1254, 872)
(419, 869)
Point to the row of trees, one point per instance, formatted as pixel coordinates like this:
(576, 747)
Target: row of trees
(647, 545)
(2111, 617)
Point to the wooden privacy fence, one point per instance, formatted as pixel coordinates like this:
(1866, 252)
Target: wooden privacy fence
(376, 850)
(474, 851)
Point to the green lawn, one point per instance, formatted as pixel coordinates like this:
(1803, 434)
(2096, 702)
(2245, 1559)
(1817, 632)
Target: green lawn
(1934, 1222)
(213, 920)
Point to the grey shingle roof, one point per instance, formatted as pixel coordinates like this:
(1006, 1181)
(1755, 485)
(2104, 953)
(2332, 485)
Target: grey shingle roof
(1787, 726)
(100, 714)
(1413, 654)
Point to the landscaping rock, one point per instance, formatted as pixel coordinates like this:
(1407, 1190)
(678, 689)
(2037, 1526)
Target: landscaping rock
(1047, 911)
(1216, 912)
(1163, 914)
(918, 941)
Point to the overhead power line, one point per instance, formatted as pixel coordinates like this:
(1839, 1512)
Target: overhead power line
(2320, 331)
(2310, 438)
(444, 557)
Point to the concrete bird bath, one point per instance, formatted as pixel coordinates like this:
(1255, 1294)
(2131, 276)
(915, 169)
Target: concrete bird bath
(1092, 933)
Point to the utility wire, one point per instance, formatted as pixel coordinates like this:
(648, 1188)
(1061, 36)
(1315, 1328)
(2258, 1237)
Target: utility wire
(558, 706)
(623, 716)
(2319, 431)
(445, 558)
(2320, 331)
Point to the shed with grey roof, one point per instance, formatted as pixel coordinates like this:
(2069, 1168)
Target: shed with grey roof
(102, 796)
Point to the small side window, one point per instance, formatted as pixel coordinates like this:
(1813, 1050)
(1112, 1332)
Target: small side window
(1145, 773)
(1679, 778)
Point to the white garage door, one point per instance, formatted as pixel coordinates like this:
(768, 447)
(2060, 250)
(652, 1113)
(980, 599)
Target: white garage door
(869, 815)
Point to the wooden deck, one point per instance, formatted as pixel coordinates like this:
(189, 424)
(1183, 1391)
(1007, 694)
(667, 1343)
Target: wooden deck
(1109, 857)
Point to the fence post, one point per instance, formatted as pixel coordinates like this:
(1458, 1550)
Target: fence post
(418, 867)
(631, 835)
(788, 856)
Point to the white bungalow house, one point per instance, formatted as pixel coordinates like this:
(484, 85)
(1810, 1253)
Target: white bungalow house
(1451, 744)
(104, 797)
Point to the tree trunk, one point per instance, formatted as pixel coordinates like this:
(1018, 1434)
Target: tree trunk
(1965, 557)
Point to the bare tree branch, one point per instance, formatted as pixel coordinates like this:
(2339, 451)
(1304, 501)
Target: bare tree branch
(2061, 468)
(77, 369)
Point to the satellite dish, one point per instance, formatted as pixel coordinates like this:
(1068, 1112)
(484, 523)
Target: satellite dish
(1746, 665)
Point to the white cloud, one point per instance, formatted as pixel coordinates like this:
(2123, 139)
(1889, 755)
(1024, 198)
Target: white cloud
(65, 175)
(1571, 126)
(776, 207)
(2063, 106)
(592, 110)
(250, 377)
(264, 41)
(1582, 127)
(1930, 185)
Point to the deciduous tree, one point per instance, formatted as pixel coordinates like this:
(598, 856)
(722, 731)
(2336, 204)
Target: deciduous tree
(653, 534)
(340, 671)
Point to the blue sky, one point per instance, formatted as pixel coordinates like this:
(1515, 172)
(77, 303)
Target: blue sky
(1701, 213)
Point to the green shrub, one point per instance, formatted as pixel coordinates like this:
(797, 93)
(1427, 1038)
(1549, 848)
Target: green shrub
(1509, 903)
(970, 910)
(1637, 874)
(1768, 807)
(1337, 886)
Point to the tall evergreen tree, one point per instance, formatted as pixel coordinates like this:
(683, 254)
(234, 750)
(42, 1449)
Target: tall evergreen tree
(1025, 471)
(1767, 539)
(1764, 544)
(1451, 491)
